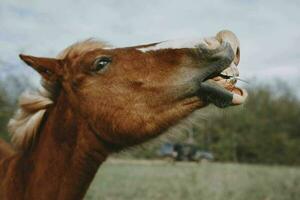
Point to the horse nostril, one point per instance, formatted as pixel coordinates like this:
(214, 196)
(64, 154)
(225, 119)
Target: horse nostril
(237, 56)
(230, 37)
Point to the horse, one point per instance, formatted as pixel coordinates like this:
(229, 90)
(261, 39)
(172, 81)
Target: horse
(96, 100)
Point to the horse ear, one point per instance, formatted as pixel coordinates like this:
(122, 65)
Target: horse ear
(49, 68)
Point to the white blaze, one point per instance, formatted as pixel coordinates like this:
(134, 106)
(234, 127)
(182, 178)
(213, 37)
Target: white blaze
(174, 44)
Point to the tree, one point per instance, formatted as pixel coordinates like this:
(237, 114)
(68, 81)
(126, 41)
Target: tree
(264, 130)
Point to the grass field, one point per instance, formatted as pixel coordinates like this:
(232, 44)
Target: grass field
(145, 180)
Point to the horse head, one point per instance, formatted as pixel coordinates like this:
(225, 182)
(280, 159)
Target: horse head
(129, 95)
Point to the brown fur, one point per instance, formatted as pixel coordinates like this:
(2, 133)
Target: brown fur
(5, 150)
(92, 114)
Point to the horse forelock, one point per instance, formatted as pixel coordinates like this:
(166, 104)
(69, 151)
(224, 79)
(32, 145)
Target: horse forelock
(33, 105)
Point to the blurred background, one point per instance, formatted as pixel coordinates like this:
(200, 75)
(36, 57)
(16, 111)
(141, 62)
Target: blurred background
(248, 152)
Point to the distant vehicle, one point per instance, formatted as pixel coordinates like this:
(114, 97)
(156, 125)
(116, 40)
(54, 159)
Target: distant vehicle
(185, 152)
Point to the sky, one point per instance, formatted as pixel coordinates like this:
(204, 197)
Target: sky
(269, 30)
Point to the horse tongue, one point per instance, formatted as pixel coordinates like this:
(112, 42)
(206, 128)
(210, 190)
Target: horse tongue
(237, 90)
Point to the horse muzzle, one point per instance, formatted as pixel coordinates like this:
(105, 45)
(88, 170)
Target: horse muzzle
(219, 78)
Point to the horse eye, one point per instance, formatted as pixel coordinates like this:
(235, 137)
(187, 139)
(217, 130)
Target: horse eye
(101, 63)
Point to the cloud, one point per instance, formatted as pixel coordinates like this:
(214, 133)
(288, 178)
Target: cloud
(268, 30)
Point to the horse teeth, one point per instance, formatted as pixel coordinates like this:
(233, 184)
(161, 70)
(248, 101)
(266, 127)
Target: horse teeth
(231, 71)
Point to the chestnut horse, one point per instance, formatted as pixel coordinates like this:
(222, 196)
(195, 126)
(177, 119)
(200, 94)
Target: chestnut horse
(97, 100)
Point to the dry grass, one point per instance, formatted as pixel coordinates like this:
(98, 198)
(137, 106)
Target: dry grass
(143, 180)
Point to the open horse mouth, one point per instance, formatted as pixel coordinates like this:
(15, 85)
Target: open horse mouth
(220, 88)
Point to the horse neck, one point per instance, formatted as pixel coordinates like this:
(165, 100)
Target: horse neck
(66, 157)
(6, 150)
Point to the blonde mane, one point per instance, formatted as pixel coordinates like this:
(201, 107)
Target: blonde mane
(33, 105)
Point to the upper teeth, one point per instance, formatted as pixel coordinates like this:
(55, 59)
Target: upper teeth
(231, 71)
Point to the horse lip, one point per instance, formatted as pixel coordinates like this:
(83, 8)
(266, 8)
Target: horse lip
(216, 71)
(210, 91)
